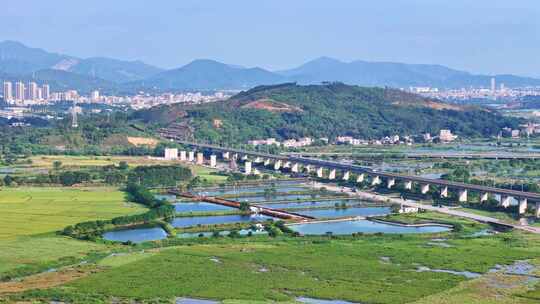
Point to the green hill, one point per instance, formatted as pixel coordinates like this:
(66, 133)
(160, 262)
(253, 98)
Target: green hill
(290, 110)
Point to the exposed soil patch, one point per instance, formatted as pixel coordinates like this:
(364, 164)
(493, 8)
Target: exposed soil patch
(272, 106)
(47, 279)
(142, 141)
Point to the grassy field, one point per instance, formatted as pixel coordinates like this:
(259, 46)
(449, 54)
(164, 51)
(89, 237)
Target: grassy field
(369, 269)
(29, 217)
(29, 211)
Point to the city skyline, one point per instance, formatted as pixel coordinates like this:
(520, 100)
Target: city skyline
(474, 37)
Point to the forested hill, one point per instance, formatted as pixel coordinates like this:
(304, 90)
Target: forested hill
(291, 111)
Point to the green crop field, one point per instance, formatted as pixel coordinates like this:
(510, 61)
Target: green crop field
(371, 269)
(33, 210)
(30, 216)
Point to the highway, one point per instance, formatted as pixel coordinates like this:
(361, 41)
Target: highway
(534, 197)
(428, 155)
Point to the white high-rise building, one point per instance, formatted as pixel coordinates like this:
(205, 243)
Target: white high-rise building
(46, 92)
(32, 91)
(19, 91)
(8, 91)
(493, 85)
(94, 96)
(39, 94)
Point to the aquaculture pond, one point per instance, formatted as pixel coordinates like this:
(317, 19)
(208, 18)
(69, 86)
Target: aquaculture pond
(136, 235)
(285, 186)
(199, 207)
(182, 222)
(221, 233)
(310, 204)
(346, 212)
(364, 226)
(280, 197)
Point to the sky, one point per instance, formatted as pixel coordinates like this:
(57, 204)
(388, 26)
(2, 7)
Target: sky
(480, 36)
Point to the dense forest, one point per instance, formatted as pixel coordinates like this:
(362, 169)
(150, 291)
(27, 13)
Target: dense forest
(329, 110)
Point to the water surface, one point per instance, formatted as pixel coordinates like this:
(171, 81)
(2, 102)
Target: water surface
(136, 235)
(199, 207)
(364, 226)
(182, 222)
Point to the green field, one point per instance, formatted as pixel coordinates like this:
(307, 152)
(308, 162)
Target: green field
(30, 211)
(30, 216)
(369, 269)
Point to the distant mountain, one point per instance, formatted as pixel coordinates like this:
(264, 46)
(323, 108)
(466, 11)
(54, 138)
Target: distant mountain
(209, 74)
(127, 77)
(114, 70)
(18, 59)
(292, 111)
(63, 80)
(393, 74)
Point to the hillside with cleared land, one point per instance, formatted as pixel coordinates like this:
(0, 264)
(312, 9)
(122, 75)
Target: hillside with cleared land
(329, 110)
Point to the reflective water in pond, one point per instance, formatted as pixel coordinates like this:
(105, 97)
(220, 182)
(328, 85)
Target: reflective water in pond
(286, 186)
(215, 220)
(136, 235)
(221, 233)
(319, 301)
(349, 212)
(262, 198)
(290, 205)
(199, 207)
(365, 226)
(467, 274)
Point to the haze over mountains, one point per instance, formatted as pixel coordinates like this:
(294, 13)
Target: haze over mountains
(19, 62)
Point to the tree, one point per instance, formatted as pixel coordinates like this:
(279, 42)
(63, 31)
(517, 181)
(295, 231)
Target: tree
(8, 180)
(244, 206)
(123, 165)
(57, 165)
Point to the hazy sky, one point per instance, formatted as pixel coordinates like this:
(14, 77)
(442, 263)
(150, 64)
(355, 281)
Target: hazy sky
(482, 36)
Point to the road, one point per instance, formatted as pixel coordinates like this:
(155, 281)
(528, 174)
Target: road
(410, 203)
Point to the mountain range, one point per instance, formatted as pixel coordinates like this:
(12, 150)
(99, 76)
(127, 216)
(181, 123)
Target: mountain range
(19, 62)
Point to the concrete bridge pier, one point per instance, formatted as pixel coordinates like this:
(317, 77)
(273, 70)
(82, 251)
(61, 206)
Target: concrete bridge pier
(444, 192)
(424, 188)
(376, 180)
(258, 160)
(244, 157)
(346, 175)
(287, 164)
(484, 197)
(295, 168)
(537, 210)
(332, 174)
(408, 185)
(267, 162)
(235, 156)
(247, 167)
(226, 155)
(307, 168)
(182, 155)
(277, 165)
(200, 158)
(505, 201)
(462, 197)
(320, 172)
(213, 160)
(360, 178)
(390, 183)
(191, 156)
(522, 205)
